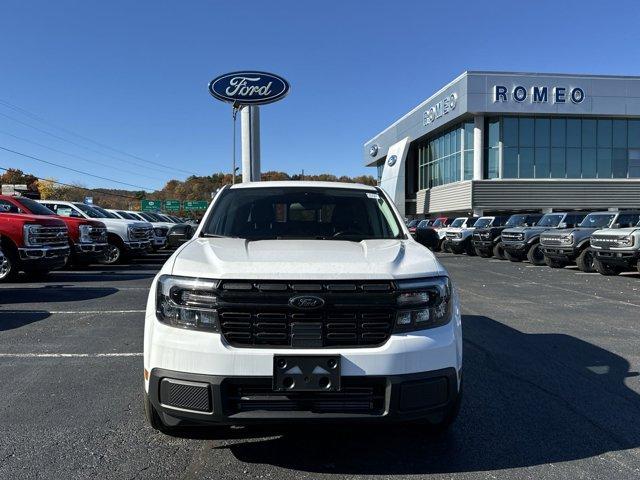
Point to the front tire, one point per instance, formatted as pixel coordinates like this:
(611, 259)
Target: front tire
(605, 268)
(483, 253)
(586, 261)
(8, 265)
(445, 246)
(554, 262)
(535, 255)
(469, 250)
(511, 257)
(498, 251)
(152, 416)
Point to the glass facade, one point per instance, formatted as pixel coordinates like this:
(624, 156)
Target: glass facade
(446, 158)
(533, 147)
(562, 147)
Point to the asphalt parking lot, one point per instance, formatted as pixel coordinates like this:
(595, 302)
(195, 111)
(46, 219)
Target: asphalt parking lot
(552, 388)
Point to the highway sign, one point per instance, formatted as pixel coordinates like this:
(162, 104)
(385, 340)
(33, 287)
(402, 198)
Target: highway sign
(196, 205)
(151, 205)
(172, 205)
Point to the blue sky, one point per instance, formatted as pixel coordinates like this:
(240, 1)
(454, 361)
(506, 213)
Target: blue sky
(133, 74)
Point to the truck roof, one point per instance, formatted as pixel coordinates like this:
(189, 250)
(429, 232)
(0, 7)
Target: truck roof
(303, 184)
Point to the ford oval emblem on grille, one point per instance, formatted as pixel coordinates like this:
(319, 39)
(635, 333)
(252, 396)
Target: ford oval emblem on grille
(306, 302)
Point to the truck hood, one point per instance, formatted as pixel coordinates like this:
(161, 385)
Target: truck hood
(46, 220)
(581, 231)
(617, 232)
(305, 259)
(526, 230)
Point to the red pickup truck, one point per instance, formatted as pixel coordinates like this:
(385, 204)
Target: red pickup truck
(87, 238)
(30, 243)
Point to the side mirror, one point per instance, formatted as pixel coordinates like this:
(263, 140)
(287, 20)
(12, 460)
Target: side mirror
(563, 225)
(615, 225)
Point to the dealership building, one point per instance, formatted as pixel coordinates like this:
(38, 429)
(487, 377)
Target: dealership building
(491, 142)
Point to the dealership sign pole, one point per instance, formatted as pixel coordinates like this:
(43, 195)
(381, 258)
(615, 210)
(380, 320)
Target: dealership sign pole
(246, 91)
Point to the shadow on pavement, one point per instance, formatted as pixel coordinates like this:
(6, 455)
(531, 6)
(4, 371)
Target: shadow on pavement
(12, 320)
(530, 399)
(51, 293)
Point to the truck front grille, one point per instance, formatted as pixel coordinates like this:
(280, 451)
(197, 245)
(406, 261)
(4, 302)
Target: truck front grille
(512, 237)
(50, 237)
(353, 314)
(98, 234)
(608, 241)
(141, 233)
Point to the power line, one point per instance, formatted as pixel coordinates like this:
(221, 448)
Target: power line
(95, 190)
(77, 156)
(172, 169)
(73, 169)
(40, 119)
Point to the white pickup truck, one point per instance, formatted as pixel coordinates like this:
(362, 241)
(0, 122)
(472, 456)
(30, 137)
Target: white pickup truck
(125, 237)
(302, 301)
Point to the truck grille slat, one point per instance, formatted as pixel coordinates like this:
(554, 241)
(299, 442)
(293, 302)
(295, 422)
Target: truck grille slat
(353, 314)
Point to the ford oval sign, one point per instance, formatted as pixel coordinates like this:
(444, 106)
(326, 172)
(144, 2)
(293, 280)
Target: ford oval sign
(392, 160)
(306, 302)
(249, 88)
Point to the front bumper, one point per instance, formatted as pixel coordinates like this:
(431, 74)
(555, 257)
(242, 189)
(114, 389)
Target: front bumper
(516, 247)
(138, 245)
(89, 250)
(191, 399)
(560, 253)
(627, 259)
(482, 244)
(47, 257)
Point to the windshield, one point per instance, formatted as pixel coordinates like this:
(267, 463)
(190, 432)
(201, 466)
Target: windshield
(550, 220)
(126, 215)
(106, 213)
(413, 223)
(516, 220)
(34, 207)
(483, 222)
(458, 222)
(136, 216)
(594, 220)
(146, 216)
(302, 213)
(90, 212)
(423, 224)
(439, 222)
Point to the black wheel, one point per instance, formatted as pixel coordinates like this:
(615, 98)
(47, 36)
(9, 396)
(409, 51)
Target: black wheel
(638, 266)
(535, 255)
(511, 257)
(114, 254)
(605, 268)
(8, 265)
(585, 261)
(482, 253)
(469, 250)
(445, 246)
(554, 262)
(498, 251)
(152, 417)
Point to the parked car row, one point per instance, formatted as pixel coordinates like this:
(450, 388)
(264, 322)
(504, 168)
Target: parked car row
(607, 242)
(37, 236)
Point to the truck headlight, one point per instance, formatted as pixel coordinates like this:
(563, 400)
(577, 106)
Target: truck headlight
(30, 234)
(423, 303)
(85, 233)
(625, 241)
(185, 302)
(568, 239)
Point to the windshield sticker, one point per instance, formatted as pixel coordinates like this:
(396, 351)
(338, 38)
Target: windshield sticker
(373, 195)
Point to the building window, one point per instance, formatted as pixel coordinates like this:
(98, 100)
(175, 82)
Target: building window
(440, 158)
(492, 148)
(558, 147)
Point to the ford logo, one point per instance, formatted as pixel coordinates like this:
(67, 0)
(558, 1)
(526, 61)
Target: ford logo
(249, 88)
(392, 160)
(373, 150)
(306, 302)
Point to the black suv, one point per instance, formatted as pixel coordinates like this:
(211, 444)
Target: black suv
(487, 241)
(524, 242)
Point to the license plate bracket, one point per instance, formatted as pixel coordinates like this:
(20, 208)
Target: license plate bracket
(306, 373)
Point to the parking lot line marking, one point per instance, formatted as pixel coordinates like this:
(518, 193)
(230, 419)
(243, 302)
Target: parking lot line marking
(578, 292)
(69, 355)
(67, 312)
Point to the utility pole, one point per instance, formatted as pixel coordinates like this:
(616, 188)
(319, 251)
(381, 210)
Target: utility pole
(250, 125)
